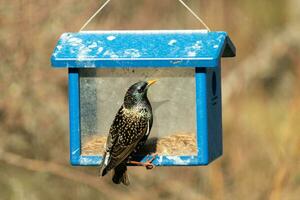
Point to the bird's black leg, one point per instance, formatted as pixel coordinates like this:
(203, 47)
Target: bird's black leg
(148, 164)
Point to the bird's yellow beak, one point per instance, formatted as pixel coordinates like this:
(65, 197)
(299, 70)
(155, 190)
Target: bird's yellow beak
(151, 82)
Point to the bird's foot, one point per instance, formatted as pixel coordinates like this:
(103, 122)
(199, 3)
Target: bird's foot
(148, 164)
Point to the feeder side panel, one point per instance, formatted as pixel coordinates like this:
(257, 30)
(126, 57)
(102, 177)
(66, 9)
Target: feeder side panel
(74, 115)
(201, 116)
(214, 112)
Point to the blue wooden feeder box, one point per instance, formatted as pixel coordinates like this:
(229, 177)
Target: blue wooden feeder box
(196, 49)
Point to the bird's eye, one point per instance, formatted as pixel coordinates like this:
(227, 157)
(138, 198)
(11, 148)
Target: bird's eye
(141, 89)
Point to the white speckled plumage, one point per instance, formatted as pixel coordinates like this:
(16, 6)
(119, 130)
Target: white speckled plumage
(129, 131)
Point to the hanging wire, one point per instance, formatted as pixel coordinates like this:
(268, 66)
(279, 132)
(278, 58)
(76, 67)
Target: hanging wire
(181, 1)
(94, 15)
(194, 14)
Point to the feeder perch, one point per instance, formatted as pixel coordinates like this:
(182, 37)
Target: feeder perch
(186, 100)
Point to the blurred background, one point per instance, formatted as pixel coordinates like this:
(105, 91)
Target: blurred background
(261, 101)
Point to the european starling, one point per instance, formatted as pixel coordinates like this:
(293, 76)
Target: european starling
(128, 132)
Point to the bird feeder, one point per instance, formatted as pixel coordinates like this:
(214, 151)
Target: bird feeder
(186, 100)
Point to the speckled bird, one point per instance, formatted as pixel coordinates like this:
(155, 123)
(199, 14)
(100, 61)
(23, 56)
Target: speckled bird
(128, 132)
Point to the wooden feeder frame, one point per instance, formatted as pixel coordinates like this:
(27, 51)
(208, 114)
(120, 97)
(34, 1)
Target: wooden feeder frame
(197, 49)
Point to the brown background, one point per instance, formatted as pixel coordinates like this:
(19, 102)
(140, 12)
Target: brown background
(261, 101)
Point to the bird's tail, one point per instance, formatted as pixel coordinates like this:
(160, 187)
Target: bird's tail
(103, 170)
(120, 174)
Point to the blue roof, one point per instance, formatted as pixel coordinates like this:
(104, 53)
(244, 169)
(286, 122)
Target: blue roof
(178, 48)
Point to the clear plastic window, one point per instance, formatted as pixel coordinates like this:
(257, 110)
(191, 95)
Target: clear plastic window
(172, 98)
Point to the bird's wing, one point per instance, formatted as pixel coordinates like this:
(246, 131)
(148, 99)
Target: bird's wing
(143, 140)
(113, 132)
(110, 141)
(125, 134)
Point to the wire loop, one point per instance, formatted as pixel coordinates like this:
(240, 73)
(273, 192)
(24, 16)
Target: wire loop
(181, 1)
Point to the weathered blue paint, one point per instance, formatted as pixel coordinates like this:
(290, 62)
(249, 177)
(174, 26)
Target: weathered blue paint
(159, 161)
(190, 48)
(107, 49)
(201, 114)
(214, 113)
(74, 115)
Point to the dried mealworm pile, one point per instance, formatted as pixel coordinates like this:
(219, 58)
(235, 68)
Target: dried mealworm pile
(177, 144)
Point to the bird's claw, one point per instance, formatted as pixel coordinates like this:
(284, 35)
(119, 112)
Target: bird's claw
(148, 164)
